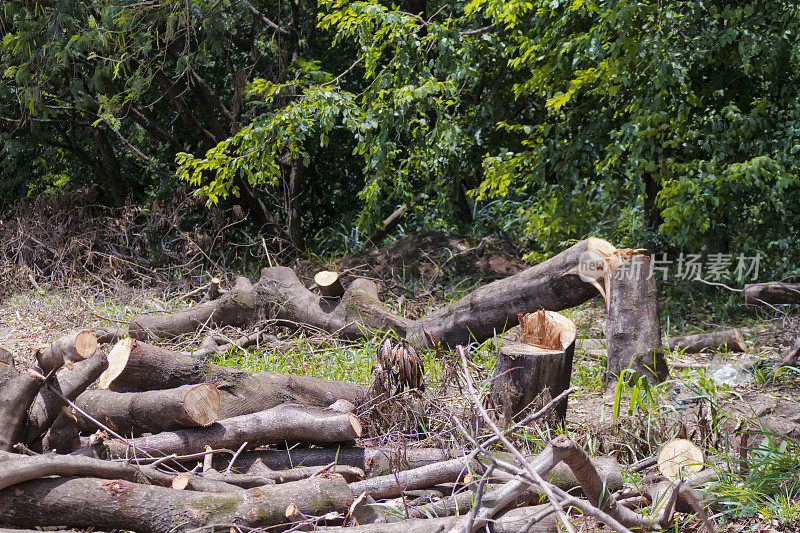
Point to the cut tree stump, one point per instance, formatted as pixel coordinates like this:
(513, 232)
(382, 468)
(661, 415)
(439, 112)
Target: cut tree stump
(530, 373)
(731, 340)
(241, 392)
(285, 423)
(118, 504)
(329, 284)
(150, 411)
(235, 308)
(633, 330)
(47, 406)
(775, 292)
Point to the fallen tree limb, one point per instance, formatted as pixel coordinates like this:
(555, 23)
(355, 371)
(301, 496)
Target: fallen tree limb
(235, 308)
(293, 423)
(98, 503)
(258, 477)
(241, 392)
(28, 468)
(731, 340)
(150, 411)
(18, 390)
(772, 293)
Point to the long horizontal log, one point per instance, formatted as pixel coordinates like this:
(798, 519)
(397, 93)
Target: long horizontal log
(118, 504)
(235, 308)
(292, 423)
(772, 293)
(241, 392)
(393, 485)
(264, 477)
(150, 411)
(512, 521)
(71, 382)
(27, 468)
(374, 461)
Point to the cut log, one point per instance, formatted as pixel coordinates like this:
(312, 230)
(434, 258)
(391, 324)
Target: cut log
(328, 284)
(69, 349)
(262, 476)
(18, 390)
(731, 340)
(98, 503)
(241, 392)
(761, 294)
(213, 291)
(393, 485)
(374, 461)
(633, 330)
(151, 411)
(292, 423)
(235, 308)
(530, 373)
(47, 406)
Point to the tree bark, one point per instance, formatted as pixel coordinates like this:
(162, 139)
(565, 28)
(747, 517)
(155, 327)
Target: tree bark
(62, 437)
(531, 373)
(292, 423)
(772, 293)
(633, 330)
(151, 411)
(47, 406)
(728, 339)
(90, 502)
(110, 167)
(235, 308)
(241, 392)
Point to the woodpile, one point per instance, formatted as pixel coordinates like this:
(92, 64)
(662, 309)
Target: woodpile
(167, 442)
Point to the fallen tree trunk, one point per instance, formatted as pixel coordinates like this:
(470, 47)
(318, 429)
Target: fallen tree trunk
(241, 392)
(530, 373)
(257, 477)
(772, 293)
(555, 284)
(729, 339)
(633, 330)
(98, 503)
(151, 411)
(235, 308)
(47, 406)
(292, 423)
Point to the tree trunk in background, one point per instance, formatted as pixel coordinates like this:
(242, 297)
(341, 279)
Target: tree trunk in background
(294, 189)
(652, 187)
(111, 167)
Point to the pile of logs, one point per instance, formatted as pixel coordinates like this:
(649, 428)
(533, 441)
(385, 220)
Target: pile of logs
(166, 441)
